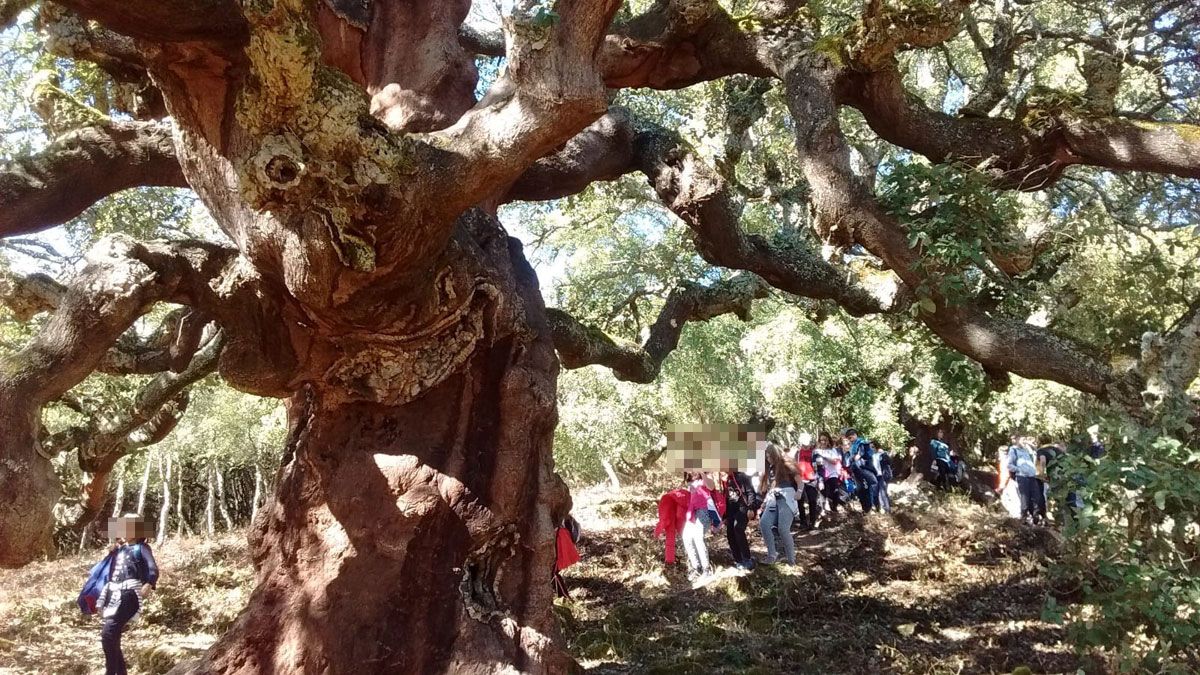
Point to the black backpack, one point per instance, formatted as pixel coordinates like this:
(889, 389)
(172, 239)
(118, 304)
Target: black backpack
(743, 493)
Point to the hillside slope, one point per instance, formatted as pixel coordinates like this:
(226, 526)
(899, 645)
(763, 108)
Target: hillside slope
(941, 586)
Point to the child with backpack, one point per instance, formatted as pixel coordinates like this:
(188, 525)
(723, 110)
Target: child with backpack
(118, 584)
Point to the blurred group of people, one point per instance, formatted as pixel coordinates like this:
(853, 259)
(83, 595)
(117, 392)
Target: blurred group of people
(801, 485)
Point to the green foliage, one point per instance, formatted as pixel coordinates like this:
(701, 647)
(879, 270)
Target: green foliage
(1134, 552)
(953, 217)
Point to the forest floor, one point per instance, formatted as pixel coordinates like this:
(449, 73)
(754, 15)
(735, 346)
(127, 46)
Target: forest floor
(940, 586)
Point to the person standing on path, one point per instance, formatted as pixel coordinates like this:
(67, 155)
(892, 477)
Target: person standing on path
(133, 574)
(830, 459)
(1022, 467)
(808, 483)
(741, 500)
(779, 503)
(862, 463)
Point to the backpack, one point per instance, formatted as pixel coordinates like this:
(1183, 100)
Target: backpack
(97, 577)
(751, 499)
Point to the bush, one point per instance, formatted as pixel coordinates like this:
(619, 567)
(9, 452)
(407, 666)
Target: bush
(1133, 553)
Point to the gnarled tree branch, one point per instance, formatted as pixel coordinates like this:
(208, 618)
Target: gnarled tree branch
(700, 196)
(72, 173)
(215, 21)
(579, 345)
(844, 206)
(118, 282)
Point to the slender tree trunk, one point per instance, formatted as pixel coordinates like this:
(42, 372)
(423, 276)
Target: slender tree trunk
(210, 501)
(119, 496)
(181, 524)
(145, 484)
(164, 473)
(257, 498)
(614, 481)
(222, 506)
(440, 512)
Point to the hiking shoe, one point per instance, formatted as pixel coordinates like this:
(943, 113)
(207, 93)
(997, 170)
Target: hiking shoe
(768, 561)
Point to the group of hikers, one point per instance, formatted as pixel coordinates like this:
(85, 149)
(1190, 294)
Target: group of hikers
(1035, 468)
(803, 484)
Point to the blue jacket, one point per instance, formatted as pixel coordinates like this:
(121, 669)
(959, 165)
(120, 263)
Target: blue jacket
(866, 454)
(139, 564)
(940, 450)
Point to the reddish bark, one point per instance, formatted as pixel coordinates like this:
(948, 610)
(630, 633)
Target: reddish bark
(418, 536)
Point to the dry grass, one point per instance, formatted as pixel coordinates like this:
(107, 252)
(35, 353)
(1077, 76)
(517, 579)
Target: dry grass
(204, 585)
(942, 586)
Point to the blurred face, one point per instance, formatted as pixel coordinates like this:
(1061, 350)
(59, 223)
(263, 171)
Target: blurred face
(825, 441)
(125, 529)
(852, 437)
(846, 443)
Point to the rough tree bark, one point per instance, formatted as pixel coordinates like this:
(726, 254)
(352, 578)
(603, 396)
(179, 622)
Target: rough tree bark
(454, 486)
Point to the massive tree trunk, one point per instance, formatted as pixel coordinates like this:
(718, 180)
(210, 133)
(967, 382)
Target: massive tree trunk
(417, 534)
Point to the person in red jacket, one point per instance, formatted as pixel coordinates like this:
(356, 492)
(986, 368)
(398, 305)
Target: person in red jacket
(672, 508)
(808, 483)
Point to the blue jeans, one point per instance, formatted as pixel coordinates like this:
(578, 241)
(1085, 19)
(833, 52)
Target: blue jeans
(868, 490)
(110, 633)
(778, 512)
(881, 499)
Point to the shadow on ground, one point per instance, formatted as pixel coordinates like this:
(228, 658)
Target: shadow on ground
(954, 589)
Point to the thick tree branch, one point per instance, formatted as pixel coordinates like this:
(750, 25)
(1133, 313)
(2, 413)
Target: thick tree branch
(129, 430)
(601, 152)
(677, 43)
(550, 91)
(71, 36)
(118, 282)
(700, 196)
(673, 44)
(215, 21)
(81, 167)
(580, 345)
(27, 296)
(845, 208)
(170, 347)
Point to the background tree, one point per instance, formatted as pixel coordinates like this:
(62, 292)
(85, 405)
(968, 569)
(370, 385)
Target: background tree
(940, 165)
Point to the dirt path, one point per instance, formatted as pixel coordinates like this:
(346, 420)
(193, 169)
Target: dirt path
(949, 590)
